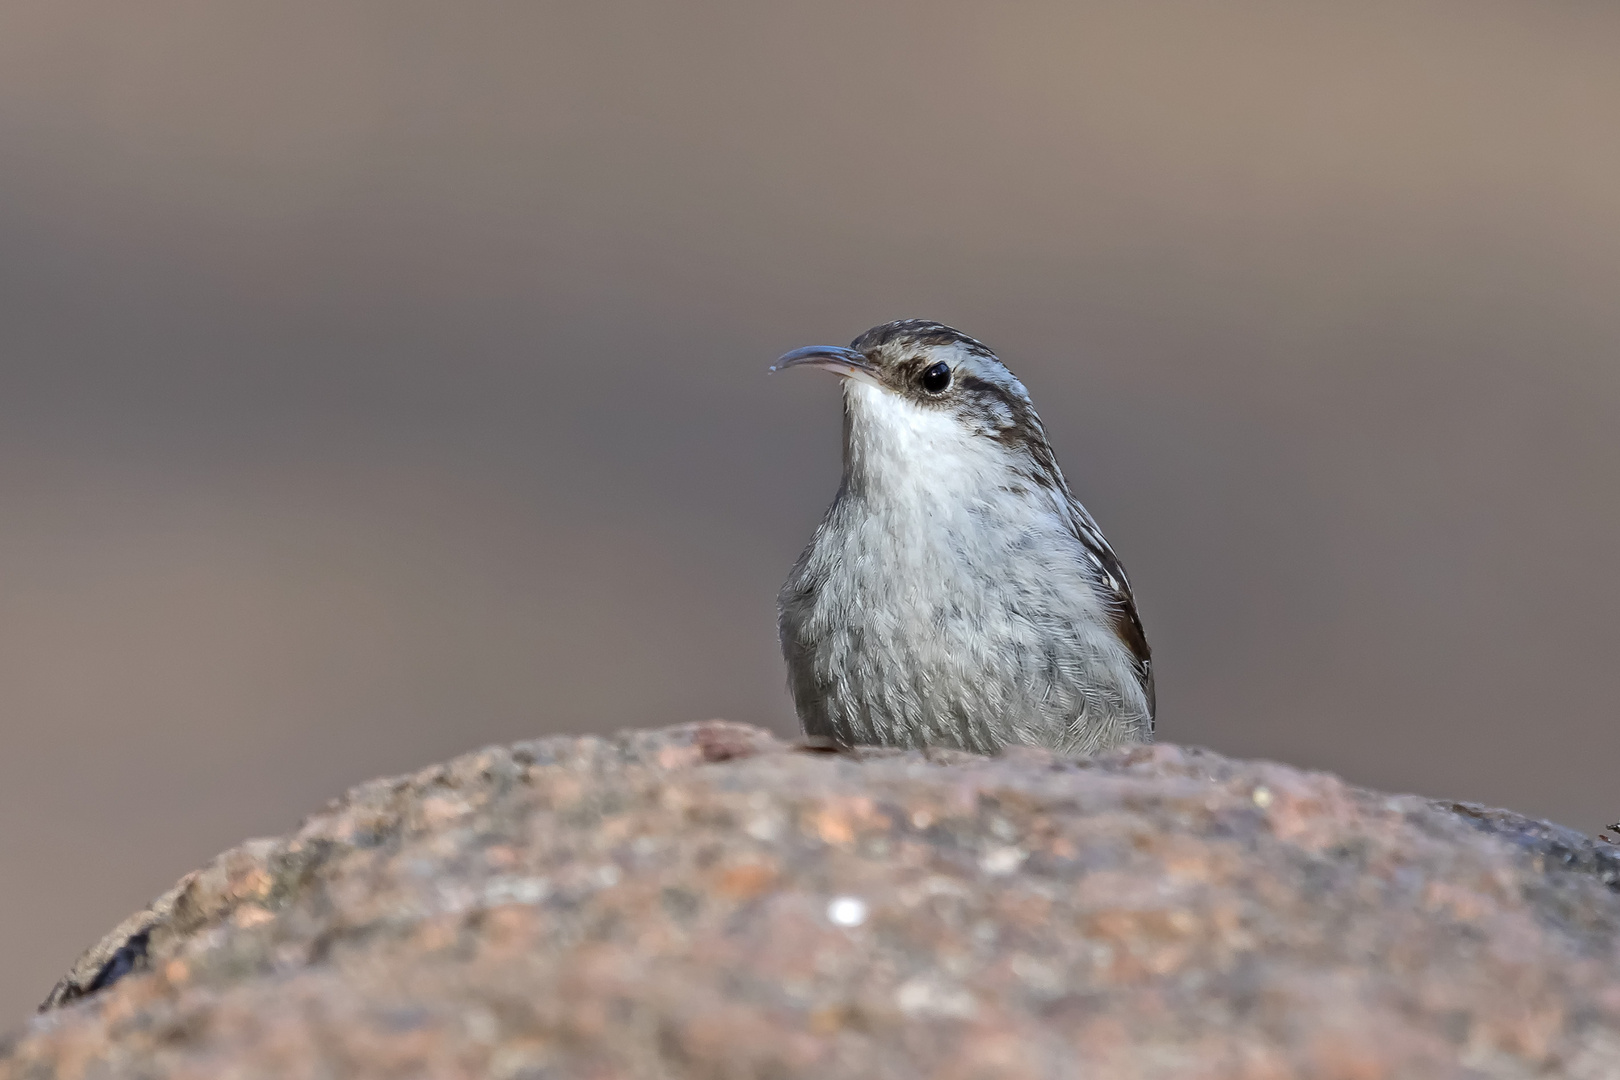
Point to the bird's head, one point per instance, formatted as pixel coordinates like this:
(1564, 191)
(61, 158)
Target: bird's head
(916, 389)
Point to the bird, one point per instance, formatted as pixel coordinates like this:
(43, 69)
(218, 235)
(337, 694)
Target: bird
(956, 594)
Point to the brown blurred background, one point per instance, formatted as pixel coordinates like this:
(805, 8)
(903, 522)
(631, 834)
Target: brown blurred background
(380, 380)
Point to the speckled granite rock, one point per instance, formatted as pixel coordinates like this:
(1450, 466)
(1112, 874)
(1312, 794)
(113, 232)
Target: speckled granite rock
(706, 901)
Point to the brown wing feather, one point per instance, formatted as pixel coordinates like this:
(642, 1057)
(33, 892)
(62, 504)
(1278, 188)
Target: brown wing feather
(1111, 578)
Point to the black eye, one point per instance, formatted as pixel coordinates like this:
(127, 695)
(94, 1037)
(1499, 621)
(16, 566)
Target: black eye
(937, 379)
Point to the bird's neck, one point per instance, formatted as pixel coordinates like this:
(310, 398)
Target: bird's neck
(924, 461)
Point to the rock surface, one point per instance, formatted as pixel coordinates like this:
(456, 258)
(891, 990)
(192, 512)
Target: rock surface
(706, 901)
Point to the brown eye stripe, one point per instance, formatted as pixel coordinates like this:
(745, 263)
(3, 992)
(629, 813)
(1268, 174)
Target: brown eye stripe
(974, 385)
(1025, 428)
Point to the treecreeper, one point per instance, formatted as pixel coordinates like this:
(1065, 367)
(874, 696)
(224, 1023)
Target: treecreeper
(956, 593)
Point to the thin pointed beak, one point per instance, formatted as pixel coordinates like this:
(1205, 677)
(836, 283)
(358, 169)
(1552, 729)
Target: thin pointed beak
(846, 363)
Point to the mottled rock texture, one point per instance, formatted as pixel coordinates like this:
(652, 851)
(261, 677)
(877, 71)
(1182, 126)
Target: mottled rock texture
(707, 901)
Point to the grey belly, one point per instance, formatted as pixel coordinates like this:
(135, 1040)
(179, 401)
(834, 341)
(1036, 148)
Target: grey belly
(894, 677)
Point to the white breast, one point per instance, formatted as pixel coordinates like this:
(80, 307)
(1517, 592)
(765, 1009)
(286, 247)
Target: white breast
(948, 601)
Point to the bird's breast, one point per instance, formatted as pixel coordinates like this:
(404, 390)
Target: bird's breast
(932, 568)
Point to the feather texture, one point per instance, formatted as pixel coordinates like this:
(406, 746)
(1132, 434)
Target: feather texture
(956, 593)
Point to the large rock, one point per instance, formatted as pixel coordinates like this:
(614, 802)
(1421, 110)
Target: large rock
(709, 902)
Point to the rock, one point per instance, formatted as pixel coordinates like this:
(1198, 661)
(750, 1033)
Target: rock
(707, 901)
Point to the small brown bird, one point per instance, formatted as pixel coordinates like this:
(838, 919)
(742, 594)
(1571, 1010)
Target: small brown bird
(956, 593)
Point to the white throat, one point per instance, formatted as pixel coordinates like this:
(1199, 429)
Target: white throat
(898, 449)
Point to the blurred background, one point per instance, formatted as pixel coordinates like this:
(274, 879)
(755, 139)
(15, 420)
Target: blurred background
(383, 379)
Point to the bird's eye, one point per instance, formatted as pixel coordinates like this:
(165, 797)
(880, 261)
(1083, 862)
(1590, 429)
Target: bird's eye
(937, 379)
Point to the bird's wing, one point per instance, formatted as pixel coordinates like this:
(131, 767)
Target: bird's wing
(1116, 586)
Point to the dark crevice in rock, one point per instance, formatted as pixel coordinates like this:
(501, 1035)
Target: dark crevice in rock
(129, 957)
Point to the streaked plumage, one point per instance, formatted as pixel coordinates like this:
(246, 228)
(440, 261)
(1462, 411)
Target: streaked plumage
(956, 593)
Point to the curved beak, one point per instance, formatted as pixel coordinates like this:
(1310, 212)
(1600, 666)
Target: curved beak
(845, 363)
